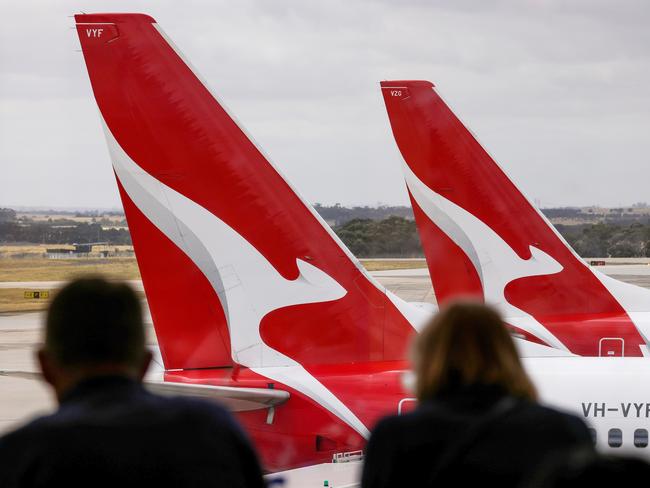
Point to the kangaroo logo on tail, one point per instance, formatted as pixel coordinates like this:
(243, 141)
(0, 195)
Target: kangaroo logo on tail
(502, 264)
(248, 286)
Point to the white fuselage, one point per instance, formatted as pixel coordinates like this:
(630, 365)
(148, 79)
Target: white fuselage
(608, 393)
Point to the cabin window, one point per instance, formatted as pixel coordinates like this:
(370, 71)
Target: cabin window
(615, 438)
(641, 438)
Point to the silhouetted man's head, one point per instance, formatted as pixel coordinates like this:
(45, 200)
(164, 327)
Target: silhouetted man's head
(93, 328)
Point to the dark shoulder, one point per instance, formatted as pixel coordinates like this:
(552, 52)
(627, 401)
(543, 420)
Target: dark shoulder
(551, 414)
(198, 406)
(147, 410)
(382, 452)
(395, 429)
(201, 411)
(554, 421)
(19, 447)
(27, 432)
(524, 415)
(393, 425)
(388, 424)
(424, 414)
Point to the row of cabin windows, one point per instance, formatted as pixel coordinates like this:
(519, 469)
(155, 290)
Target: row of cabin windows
(615, 437)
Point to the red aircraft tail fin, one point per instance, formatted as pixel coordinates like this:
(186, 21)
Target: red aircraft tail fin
(237, 268)
(482, 237)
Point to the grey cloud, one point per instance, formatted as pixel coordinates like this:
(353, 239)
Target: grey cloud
(557, 90)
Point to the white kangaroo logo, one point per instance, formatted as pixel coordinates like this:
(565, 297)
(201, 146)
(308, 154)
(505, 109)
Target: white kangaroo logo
(496, 263)
(248, 286)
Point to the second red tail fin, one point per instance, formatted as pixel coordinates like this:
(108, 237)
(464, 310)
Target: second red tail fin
(481, 236)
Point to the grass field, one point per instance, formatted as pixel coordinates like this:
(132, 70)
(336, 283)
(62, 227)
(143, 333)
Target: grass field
(13, 300)
(38, 268)
(35, 267)
(42, 269)
(385, 264)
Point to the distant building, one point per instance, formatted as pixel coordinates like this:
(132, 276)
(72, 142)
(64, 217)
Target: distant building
(59, 253)
(78, 251)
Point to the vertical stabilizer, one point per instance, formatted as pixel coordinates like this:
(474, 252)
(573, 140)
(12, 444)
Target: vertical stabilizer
(483, 237)
(236, 266)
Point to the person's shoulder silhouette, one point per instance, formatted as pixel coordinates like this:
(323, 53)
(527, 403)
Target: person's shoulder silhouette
(477, 419)
(588, 468)
(108, 429)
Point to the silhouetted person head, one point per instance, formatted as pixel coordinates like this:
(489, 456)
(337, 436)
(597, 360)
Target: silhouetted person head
(93, 328)
(467, 343)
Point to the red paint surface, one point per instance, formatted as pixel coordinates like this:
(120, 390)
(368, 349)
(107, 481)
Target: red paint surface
(451, 271)
(171, 126)
(188, 318)
(573, 304)
(292, 440)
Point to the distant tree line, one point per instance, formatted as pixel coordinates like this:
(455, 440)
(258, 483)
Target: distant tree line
(398, 237)
(637, 213)
(391, 237)
(608, 240)
(339, 215)
(372, 236)
(51, 233)
(7, 215)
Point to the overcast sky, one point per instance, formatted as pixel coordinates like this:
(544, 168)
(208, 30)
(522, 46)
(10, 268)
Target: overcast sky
(557, 91)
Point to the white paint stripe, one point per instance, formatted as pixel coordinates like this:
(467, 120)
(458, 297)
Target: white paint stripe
(315, 214)
(256, 290)
(497, 264)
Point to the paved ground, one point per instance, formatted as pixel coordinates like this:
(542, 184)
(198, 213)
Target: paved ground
(21, 398)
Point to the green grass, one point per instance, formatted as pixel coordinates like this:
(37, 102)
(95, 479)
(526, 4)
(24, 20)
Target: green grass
(43, 269)
(13, 300)
(382, 265)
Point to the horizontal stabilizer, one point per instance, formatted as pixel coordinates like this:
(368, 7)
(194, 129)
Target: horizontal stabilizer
(233, 398)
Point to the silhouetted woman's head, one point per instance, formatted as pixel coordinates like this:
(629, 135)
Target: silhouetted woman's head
(468, 343)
